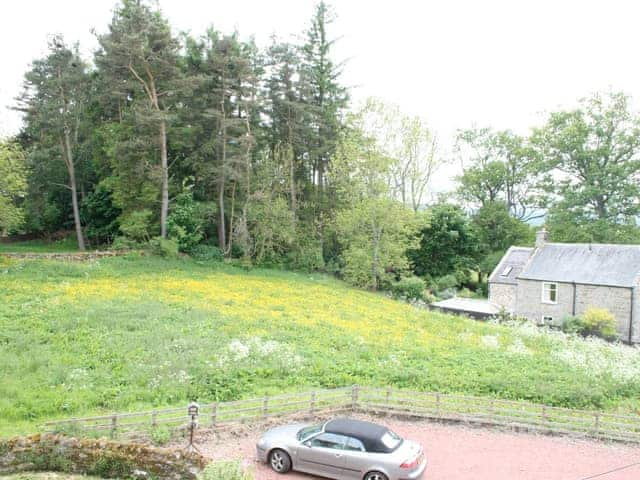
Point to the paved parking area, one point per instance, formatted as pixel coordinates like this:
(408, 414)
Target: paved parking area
(457, 452)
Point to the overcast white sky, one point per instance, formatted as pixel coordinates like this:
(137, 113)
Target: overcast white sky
(499, 63)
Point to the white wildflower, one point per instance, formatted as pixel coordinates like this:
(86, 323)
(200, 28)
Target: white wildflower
(490, 341)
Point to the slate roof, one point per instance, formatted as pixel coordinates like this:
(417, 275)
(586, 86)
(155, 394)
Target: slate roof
(468, 305)
(590, 264)
(516, 258)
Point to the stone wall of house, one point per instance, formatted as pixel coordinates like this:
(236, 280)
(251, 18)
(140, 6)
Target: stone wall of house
(503, 295)
(615, 299)
(104, 458)
(530, 305)
(635, 334)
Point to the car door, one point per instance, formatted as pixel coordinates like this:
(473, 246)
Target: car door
(357, 460)
(322, 455)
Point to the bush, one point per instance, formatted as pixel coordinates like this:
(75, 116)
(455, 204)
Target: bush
(125, 243)
(184, 224)
(164, 247)
(137, 225)
(410, 288)
(160, 436)
(596, 322)
(206, 253)
(446, 282)
(225, 471)
(572, 324)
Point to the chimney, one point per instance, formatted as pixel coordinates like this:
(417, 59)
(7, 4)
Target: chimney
(542, 236)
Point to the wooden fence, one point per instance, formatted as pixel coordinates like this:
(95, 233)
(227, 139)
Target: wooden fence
(376, 401)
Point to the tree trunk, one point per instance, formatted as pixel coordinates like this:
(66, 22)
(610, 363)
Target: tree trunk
(222, 241)
(74, 192)
(164, 209)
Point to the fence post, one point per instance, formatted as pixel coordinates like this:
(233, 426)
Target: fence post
(312, 407)
(597, 423)
(265, 407)
(354, 398)
(114, 425)
(544, 414)
(438, 405)
(214, 415)
(388, 401)
(154, 419)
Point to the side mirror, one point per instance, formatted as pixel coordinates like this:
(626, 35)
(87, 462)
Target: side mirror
(307, 444)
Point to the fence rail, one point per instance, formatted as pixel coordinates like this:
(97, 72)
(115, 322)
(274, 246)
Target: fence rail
(386, 401)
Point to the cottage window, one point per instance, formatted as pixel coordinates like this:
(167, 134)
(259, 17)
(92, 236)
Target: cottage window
(549, 292)
(547, 320)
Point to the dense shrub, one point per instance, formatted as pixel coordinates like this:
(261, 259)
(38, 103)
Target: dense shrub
(595, 322)
(137, 225)
(410, 288)
(164, 247)
(184, 224)
(225, 471)
(571, 324)
(206, 253)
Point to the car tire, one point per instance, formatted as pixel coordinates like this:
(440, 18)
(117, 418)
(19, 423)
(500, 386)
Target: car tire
(375, 476)
(279, 460)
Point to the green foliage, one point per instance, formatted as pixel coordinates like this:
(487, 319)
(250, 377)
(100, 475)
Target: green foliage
(13, 186)
(231, 470)
(100, 216)
(597, 322)
(497, 230)
(376, 234)
(111, 467)
(271, 230)
(499, 167)
(206, 253)
(410, 288)
(160, 436)
(447, 242)
(136, 225)
(595, 148)
(572, 324)
(183, 224)
(164, 247)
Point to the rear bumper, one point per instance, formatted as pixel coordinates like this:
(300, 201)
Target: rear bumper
(416, 474)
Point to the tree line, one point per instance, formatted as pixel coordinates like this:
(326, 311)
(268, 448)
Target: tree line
(213, 146)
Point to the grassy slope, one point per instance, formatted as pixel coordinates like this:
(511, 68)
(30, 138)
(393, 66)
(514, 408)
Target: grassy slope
(128, 333)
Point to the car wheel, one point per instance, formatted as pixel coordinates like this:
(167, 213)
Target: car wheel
(280, 461)
(375, 476)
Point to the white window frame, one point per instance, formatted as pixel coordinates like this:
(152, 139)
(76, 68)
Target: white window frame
(545, 298)
(546, 320)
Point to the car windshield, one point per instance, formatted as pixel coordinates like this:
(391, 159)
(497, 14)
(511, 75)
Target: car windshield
(306, 432)
(390, 440)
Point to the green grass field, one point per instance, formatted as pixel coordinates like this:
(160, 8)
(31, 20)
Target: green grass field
(133, 332)
(65, 245)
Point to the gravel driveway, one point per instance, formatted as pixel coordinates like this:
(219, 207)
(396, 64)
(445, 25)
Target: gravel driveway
(457, 452)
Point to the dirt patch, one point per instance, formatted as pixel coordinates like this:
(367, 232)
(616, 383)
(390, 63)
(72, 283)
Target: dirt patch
(457, 452)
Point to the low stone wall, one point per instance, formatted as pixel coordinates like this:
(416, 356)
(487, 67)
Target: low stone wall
(104, 458)
(71, 256)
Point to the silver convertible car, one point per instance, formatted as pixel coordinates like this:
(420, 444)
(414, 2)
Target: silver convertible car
(342, 449)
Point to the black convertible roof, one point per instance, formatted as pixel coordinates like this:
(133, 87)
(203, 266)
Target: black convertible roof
(368, 433)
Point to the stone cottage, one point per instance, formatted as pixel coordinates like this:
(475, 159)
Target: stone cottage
(554, 280)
